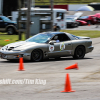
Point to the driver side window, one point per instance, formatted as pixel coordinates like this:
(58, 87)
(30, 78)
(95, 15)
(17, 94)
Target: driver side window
(60, 15)
(56, 38)
(61, 38)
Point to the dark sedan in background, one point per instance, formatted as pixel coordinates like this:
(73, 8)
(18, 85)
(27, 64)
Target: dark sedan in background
(7, 25)
(71, 22)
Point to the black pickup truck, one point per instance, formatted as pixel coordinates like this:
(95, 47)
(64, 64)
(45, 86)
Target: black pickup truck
(7, 25)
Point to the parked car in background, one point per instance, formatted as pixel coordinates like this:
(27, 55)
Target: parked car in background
(7, 25)
(81, 22)
(97, 15)
(71, 19)
(71, 22)
(91, 19)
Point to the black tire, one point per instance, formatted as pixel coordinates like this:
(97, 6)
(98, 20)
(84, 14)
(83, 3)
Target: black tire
(36, 55)
(79, 52)
(10, 31)
(89, 22)
(75, 25)
(79, 24)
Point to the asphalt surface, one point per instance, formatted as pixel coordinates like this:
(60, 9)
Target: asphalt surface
(86, 80)
(87, 27)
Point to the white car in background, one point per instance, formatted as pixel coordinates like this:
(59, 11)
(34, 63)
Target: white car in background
(71, 20)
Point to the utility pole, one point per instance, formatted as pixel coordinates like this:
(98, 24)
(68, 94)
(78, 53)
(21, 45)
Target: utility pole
(51, 1)
(28, 23)
(19, 18)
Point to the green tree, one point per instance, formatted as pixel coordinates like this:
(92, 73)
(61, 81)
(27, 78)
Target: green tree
(9, 6)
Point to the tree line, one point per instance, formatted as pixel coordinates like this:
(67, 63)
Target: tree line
(9, 6)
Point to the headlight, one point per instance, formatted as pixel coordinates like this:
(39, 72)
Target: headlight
(5, 47)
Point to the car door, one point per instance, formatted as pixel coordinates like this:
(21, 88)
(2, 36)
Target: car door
(66, 48)
(65, 45)
(54, 50)
(61, 48)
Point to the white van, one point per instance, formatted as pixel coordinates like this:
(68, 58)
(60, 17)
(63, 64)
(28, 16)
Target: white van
(58, 15)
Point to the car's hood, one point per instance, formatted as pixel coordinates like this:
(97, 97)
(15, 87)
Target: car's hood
(78, 14)
(70, 21)
(13, 22)
(20, 45)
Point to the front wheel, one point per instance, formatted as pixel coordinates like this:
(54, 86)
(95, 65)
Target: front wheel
(89, 22)
(79, 52)
(37, 55)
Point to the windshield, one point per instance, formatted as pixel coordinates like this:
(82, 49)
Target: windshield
(83, 17)
(6, 19)
(40, 38)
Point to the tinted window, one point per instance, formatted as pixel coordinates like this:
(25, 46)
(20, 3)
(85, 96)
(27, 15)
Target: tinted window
(60, 15)
(61, 37)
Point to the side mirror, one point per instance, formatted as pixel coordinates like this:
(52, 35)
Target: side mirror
(32, 22)
(52, 42)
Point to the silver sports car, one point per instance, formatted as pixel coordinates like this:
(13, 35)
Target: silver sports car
(48, 45)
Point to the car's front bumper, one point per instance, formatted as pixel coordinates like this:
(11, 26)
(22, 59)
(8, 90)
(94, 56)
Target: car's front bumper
(89, 49)
(10, 56)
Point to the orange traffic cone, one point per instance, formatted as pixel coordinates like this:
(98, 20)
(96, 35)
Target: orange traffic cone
(75, 66)
(68, 85)
(88, 24)
(21, 66)
(7, 40)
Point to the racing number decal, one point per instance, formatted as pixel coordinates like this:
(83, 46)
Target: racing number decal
(51, 48)
(62, 46)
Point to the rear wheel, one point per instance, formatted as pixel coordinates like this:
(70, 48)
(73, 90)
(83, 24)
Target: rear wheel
(37, 55)
(10, 31)
(79, 52)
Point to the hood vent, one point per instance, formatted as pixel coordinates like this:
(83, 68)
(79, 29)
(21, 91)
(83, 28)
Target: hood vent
(10, 48)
